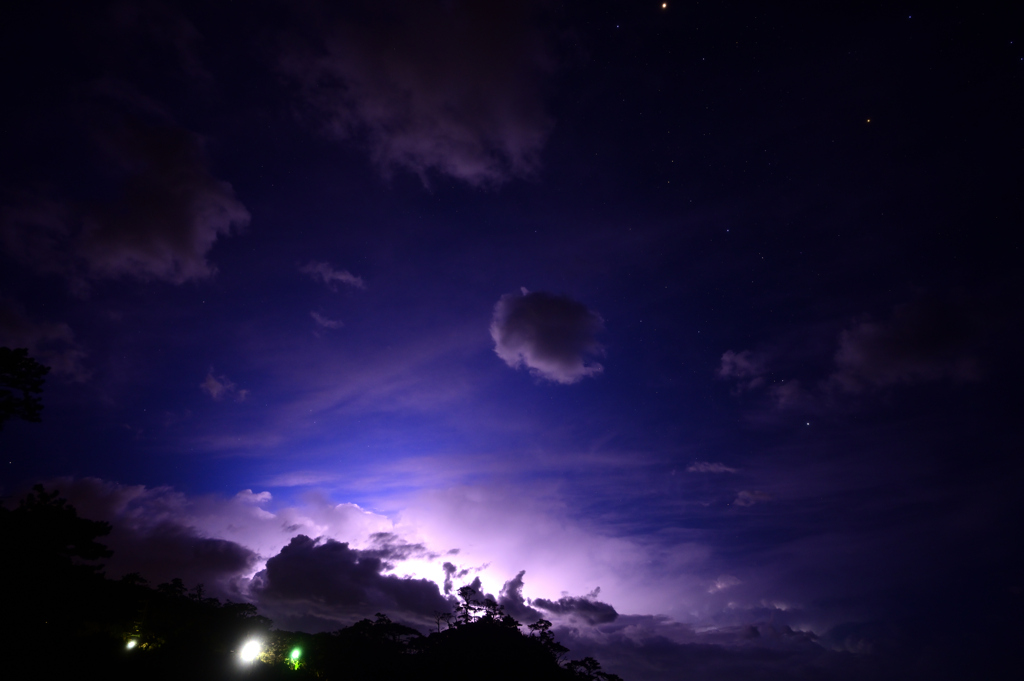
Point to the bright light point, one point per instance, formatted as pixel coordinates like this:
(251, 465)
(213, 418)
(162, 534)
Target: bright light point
(250, 651)
(296, 653)
(132, 643)
(664, 5)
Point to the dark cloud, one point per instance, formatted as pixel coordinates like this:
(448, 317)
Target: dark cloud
(330, 579)
(325, 273)
(451, 88)
(170, 209)
(511, 598)
(587, 608)
(927, 340)
(389, 547)
(51, 343)
(151, 542)
(553, 336)
(449, 570)
(164, 213)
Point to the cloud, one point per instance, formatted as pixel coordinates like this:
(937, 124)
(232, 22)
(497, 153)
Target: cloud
(333, 581)
(432, 87)
(323, 272)
(166, 212)
(219, 387)
(927, 340)
(708, 467)
(587, 608)
(511, 598)
(748, 498)
(50, 343)
(722, 583)
(326, 322)
(553, 336)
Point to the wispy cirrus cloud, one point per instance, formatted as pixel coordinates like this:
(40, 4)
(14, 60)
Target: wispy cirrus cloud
(326, 274)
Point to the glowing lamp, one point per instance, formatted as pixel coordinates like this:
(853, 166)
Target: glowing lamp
(250, 651)
(132, 643)
(296, 653)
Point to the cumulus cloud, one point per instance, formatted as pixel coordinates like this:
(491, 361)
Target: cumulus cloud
(587, 608)
(708, 467)
(331, 580)
(553, 336)
(326, 274)
(451, 88)
(50, 343)
(220, 387)
(165, 212)
(926, 340)
(511, 598)
(325, 322)
(221, 542)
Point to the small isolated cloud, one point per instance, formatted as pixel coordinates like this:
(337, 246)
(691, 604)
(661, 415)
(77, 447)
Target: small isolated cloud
(324, 273)
(749, 498)
(553, 336)
(448, 88)
(587, 608)
(328, 579)
(220, 387)
(722, 583)
(708, 467)
(50, 343)
(927, 340)
(326, 322)
(741, 365)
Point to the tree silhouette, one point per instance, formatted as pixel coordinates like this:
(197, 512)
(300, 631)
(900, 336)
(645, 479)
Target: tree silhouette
(21, 379)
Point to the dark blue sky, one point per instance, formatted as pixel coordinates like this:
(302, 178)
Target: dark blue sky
(712, 306)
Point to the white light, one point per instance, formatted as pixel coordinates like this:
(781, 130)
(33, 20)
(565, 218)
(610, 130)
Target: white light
(132, 643)
(250, 651)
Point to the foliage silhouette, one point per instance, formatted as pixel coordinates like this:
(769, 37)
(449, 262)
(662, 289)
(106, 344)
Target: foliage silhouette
(21, 379)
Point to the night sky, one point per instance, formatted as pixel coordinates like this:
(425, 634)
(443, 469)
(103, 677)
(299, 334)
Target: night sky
(693, 328)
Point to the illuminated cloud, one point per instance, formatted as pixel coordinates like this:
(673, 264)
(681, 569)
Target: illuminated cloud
(431, 88)
(553, 336)
(324, 273)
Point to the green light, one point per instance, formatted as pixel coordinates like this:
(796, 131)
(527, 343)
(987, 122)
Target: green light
(296, 653)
